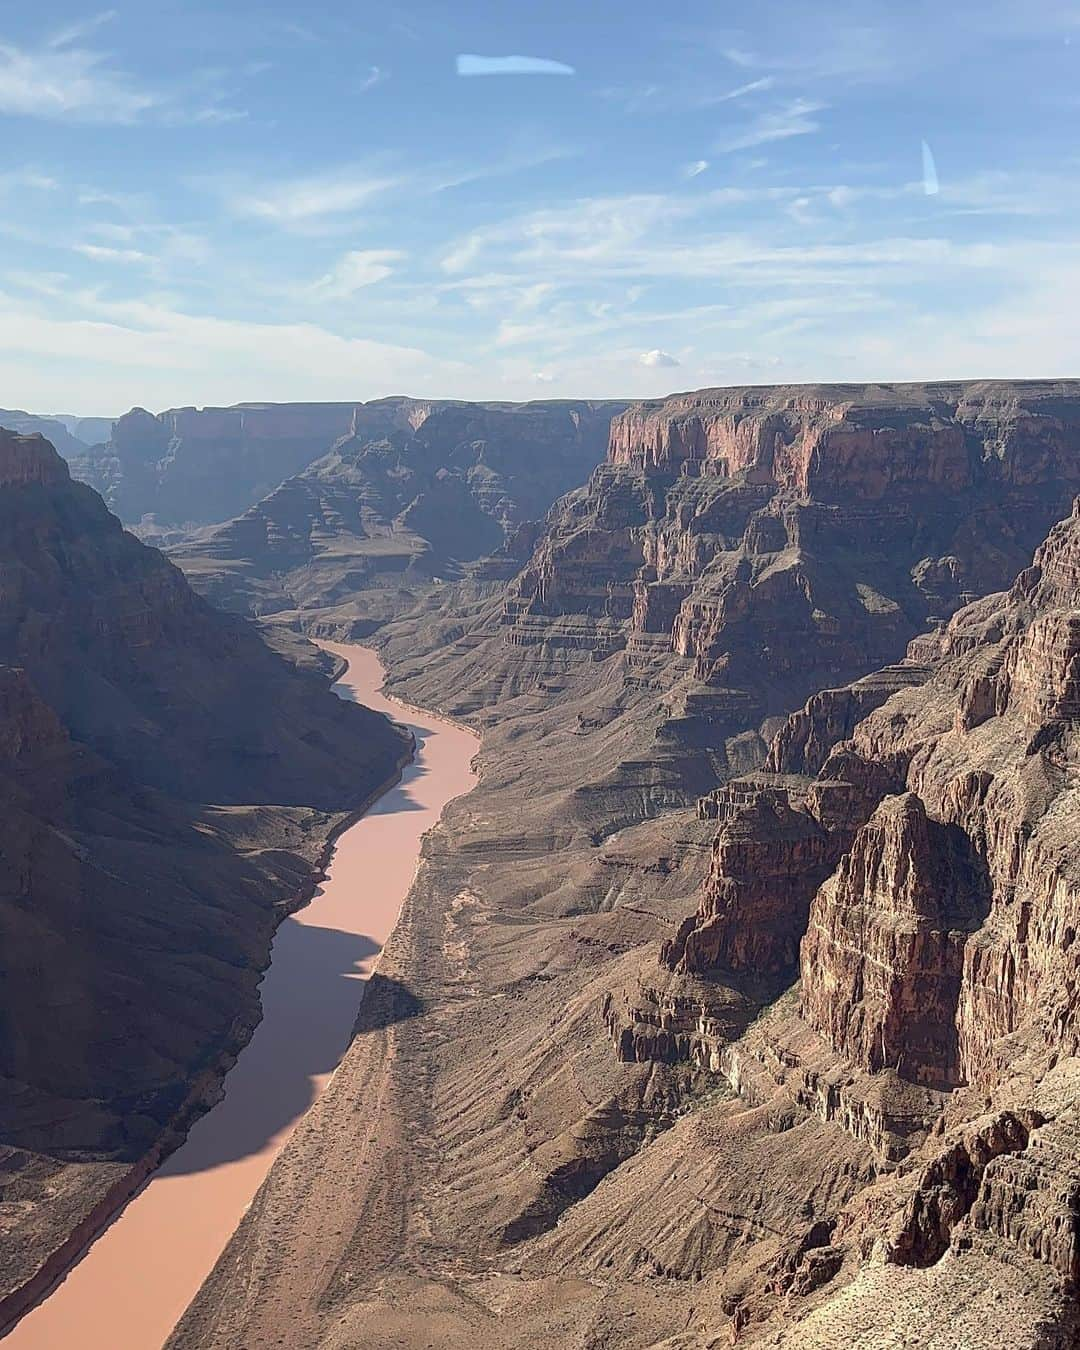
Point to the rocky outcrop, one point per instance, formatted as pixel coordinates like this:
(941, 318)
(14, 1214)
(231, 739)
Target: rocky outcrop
(196, 465)
(168, 787)
(63, 437)
(883, 954)
(408, 496)
(769, 856)
(805, 740)
(746, 968)
(757, 526)
(951, 1182)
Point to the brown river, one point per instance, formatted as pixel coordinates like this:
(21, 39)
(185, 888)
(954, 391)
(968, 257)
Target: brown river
(135, 1281)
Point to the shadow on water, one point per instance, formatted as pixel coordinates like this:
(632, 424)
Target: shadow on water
(315, 1002)
(310, 1019)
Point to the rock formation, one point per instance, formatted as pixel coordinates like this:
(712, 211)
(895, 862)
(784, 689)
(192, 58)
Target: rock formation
(748, 969)
(196, 465)
(58, 433)
(169, 785)
(412, 492)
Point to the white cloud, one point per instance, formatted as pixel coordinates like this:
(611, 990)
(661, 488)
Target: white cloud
(62, 82)
(65, 36)
(793, 119)
(309, 199)
(697, 167)
(591, 229)
(374, 76)
(328, 202)
(741, 91)
(354, 270)
(120, 353)
(20, 180)
(101, 253)
(543, 377)
(929, 171)
(511, 65)
(656, 359)
(67, 81)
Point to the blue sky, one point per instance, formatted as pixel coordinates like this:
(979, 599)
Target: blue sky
(208, 204)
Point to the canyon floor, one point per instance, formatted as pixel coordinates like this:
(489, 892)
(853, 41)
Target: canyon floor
(157, 1251)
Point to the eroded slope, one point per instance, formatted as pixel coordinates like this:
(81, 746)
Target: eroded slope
(169, 787)
(618, 1116)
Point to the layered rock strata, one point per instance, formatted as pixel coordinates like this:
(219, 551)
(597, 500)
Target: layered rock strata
(169, 787)
(746, 970)
(195, 465)
(410, 494)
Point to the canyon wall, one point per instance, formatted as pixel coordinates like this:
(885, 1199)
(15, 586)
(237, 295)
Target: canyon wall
(747, 970)
(410, 496)
(60, 435)
(190, 466)
(169, 786)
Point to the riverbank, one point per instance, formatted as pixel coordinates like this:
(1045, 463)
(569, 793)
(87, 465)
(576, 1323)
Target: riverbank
(155, 1254)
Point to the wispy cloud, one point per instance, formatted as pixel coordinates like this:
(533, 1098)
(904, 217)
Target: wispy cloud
(676, 96)
(65, 80)
(171, 354)
(511, 65)
(515, 161)
(795, 118)
(696, 168)
(59, 81)
(81, 28)
(375, 76)
(353, 271)
(23, 180)
(108, 254)
(589, 229)
(742, 91)
(311, 198)
(330, 201)
(832, 40)
(929, 171)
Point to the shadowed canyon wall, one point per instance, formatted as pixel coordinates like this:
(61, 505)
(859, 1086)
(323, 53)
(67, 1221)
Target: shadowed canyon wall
(169, 785)
(413, 493)
(194, 465)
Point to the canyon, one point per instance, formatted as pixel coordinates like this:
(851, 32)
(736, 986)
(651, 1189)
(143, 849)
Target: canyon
(737, 1002)
(195, 465)
(171, 786)
(159, 1249)
(414, 494)
(747, 969)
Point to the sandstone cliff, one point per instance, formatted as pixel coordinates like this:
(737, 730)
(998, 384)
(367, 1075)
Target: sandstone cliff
(746, 972)
(169, 784)
(409, 495)
(196, 465)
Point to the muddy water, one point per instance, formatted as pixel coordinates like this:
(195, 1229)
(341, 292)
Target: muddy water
(133, 1284)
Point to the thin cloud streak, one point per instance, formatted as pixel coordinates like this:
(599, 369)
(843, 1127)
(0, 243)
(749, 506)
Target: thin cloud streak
(74, 31)
(793, 119)
(353, 271)
(62, 81)
(65, 83)
(511, 65)
(929, 171)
